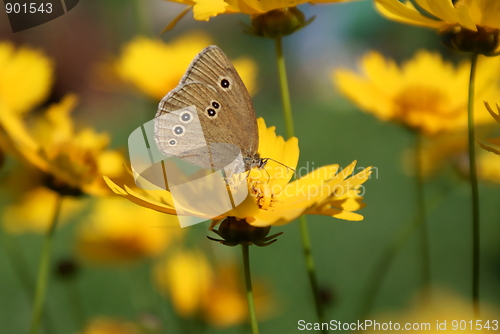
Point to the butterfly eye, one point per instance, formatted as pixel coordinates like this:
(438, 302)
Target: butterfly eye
(186, 117)
(172, 142)
(178, 130)
(225, 83)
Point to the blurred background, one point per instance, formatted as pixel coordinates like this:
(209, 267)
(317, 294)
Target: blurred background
(83, 45)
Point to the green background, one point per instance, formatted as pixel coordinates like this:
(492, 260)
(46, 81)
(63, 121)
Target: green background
(330, 130)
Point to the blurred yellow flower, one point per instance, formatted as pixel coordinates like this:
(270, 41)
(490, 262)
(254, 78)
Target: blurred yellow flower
(426, 93)
(156, 67)
(273, 199)
(104, 325)
(26, 77)
(203, 10)
(74, 159)
(119, 232)
(217, 294)
(494, 141)
(447, 312)
(465, 13)
(451, 149)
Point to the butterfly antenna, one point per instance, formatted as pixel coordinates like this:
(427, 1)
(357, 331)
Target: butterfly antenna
(282, 164)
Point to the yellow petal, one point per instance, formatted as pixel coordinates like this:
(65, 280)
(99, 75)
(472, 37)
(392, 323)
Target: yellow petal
(397, 11)
(205, 9)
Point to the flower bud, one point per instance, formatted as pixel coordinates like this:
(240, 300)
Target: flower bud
(66, 268)
(60, 187)
(235, 232)
(278, 22)
(465, 40)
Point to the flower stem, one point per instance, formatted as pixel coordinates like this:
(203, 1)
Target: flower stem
(306, 240)
(248, 283)
(474, 189)
(421, 217)
(44, 269)
(285, 92)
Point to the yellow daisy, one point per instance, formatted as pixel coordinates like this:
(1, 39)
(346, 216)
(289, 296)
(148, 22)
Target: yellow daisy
(477, 20)
(274, 200)
(425, 93)
(156, 67)
(195, 287)
(451, 149)
(26, 77)
(119, 232)
(74, 160)
(203, 10)
(468, 14)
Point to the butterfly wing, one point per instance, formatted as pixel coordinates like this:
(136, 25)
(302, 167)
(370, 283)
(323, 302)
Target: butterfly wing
(212, 85)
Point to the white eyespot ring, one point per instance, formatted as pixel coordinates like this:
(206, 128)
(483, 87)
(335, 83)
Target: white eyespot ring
(211, 113)
(178, 130)
(185, 117)
(226, 83)
(172, 142)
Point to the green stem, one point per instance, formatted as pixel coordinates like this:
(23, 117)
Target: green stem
(44, 269)
(285, 92)
(421, 217)
(141, 17)
(248, 283)
(306, 240)
(474, 189)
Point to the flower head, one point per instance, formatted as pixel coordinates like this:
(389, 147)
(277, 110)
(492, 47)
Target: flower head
(426, 93)
(156, 67)
(195, 287)
(273, 199)
(451, 149)
(27, 76)
(119, 232)
(73, 160)
(203, 10)
(466, 25)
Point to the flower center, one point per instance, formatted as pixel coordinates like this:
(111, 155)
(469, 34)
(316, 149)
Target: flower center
(263, 193)
(418, 105)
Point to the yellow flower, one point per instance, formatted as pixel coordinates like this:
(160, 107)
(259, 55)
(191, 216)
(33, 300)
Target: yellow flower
(451, 149)
(494, 141)
(26, 77)
(203, 10)
(426, 93)
(29, 205)
(273, 199)
(74, 159)
(446, 312)
(120, 232)
(155, 67)
(104, 325)
(469, 14)
(217, 294)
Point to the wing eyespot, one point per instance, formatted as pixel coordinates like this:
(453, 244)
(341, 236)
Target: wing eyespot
(186, 117)
(172, 142)
(178, 130)
(226, 83)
